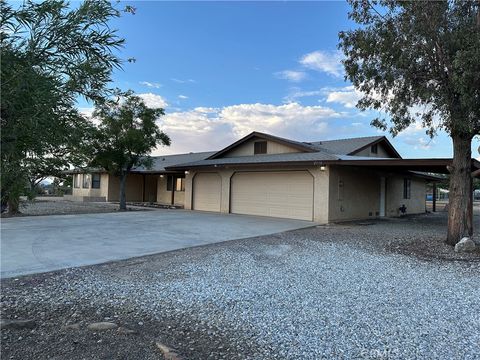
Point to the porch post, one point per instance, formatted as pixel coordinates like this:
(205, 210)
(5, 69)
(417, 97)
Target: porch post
(174, 184)
(143, 194)
(434, 197)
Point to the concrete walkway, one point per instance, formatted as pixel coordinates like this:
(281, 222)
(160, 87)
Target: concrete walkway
(45, 243)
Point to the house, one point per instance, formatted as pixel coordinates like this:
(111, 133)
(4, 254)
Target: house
(266, 175)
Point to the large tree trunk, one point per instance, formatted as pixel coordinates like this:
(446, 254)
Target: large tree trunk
(123, 200)
(13, 206)
(460, 187)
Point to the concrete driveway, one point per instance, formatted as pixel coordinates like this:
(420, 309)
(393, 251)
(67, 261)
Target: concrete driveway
(45, 243)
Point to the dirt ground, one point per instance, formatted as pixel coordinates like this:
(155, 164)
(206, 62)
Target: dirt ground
(58, 206)
(167, 298)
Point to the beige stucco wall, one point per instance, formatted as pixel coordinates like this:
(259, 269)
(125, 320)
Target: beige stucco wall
(165, 197)
(246, 149)
(320, 211)
(394, 200)
(133, 188)
(101, 192)
(381, 152)
(361, 194)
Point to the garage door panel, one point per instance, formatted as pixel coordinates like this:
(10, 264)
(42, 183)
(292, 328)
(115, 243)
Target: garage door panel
(287, 194)
(207, 190)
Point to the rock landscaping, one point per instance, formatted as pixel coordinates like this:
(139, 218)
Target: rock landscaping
(356, 290)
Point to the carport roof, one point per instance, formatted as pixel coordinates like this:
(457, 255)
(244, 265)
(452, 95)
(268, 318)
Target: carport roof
(438, 165)
(160, 163)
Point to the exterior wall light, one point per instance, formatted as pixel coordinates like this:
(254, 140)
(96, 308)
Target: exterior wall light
(162, 176)
(322, 168)
(187, 172)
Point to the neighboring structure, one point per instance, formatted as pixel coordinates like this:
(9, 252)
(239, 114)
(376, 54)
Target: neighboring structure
(267, 175)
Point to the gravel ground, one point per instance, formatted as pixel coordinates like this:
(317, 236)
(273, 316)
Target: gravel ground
(340, 291)
(57, 206)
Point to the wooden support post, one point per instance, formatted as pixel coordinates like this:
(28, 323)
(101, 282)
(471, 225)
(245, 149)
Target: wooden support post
(174, 181)
(434, 197)
(143, 194)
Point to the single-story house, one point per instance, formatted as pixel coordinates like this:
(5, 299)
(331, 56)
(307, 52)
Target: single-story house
(266, 175)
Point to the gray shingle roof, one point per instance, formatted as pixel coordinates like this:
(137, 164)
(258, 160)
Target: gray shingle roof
(262, 159)
(162, 162)
(330, 150)
(344, 146)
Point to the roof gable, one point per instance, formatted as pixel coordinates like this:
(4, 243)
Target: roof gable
(354, 146)
(294, 145)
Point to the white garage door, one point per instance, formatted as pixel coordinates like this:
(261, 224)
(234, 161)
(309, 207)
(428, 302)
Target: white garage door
(285, 194)
(207, 191)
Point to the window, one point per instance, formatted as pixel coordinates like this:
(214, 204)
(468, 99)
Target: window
(76, 181)
(96, 181)
(259, 147)
(86, 181)
(374, 149)
(169, 183)
(407, 184)
(179, 183)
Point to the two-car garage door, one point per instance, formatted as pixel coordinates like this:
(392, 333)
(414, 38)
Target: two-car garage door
(284, 194)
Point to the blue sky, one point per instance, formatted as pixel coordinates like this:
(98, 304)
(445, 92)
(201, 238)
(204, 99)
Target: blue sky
(223, 69)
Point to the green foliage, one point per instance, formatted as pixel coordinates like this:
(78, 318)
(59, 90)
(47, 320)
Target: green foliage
(127, 134)
(417, 59)
(51, 54)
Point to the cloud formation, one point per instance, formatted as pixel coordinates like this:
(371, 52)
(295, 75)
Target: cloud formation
(347, 96)
(180, 81)
(183, 97)
(151, 84)
(204, 129)
(324, 61)
(291, 75)
(154, 100)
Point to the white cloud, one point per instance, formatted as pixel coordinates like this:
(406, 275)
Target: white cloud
(180, 81)
(324, 61)
(291, 75)
(297, 93)
(153, 100)
(203, 129)
(346, 96)
(86, 111)
(151, 85)
(419, 142)
(183, 97)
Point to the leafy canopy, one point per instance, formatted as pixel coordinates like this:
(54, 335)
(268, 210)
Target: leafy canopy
(127, 134)
(51, 54)
(417, 59)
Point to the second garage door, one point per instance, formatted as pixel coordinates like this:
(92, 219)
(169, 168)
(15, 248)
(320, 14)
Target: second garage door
(207, 191)
(285, 194)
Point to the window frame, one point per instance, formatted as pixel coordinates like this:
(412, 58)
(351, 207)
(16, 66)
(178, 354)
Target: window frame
(174, 185)
(76, 181)
(86, 180)
(180, 188)
(260, 147)
(96, 184)
(374, 149)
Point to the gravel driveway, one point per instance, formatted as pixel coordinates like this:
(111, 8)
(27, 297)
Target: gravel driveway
(326, 292)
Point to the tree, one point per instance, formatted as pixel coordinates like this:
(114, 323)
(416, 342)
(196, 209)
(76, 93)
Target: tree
(420, 61)
(126, 136)
(51, 55)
